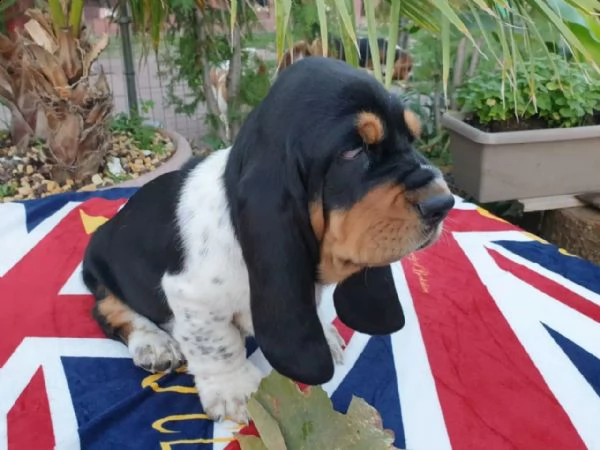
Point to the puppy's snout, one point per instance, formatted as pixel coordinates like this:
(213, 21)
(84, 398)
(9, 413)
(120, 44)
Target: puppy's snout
(419, 178)
(435, 209)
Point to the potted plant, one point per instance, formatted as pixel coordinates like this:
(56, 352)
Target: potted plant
(519, 139)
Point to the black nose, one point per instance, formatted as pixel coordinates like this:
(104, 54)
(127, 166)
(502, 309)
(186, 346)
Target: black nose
(435, 209)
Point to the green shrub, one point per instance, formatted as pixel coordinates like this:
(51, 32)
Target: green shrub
(563, 95)
(7, 190)
(135, 126)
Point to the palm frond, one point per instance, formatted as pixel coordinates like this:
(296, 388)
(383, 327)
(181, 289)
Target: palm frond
(510, 33)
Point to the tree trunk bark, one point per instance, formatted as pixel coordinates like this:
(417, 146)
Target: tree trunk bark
(211, 100)
(459, 64)
(404, 35)
(437, 104)
(474, 60)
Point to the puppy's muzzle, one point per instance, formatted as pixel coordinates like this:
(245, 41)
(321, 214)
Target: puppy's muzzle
(432, 198)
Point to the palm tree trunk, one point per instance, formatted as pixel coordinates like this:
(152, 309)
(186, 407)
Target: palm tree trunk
(44, 78)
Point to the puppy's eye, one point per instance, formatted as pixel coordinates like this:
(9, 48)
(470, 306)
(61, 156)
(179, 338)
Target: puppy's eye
(352, 154)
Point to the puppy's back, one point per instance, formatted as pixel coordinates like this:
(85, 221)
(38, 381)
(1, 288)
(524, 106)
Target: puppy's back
(128, 255)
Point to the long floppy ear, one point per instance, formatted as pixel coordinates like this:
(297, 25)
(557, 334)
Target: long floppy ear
(274, 231)
(367, 302)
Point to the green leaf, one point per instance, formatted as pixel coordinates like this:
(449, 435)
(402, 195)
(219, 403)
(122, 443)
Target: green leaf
(75, 16)
(233, 17)
(367, 417)
(562, 27)
(58, 15)
(282, 18)
(392, 39)
(450, 14)
(251, 443)
(322, 12)
(445, 54)
(307, 420)
(372, 35)
(266, 425)
(348, 33)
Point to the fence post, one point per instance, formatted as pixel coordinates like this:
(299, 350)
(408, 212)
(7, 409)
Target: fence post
(124, 21)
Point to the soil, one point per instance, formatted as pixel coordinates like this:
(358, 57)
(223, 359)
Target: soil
(535, 123)
(28, 176)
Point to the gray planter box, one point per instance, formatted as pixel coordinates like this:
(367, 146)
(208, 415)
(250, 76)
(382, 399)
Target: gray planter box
(523, 164)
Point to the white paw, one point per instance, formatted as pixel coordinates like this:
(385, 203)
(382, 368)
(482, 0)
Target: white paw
(224, 397)
(154, 350)
(336, 343)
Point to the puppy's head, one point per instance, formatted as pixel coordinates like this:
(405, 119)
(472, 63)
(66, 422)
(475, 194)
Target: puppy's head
(326, 187)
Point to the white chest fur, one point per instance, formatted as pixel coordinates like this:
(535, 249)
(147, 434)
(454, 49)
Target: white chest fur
(210, 297)
(214, 272)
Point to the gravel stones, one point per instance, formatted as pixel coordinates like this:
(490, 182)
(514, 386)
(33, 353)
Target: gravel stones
(29, 176)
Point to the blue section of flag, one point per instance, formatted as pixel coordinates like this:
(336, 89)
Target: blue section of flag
(251, 346)
(577, 270)
(39, 209)
(586, 363)
(373, 378)
(114, 411)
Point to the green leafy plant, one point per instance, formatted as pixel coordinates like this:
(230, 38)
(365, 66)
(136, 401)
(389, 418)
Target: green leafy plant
(7, 190)
(562, 94)
(135, 126)
(199, 41)
(512, 25)
(287, 418)
(304, 17)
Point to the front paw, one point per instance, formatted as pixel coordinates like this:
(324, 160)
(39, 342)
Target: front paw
(155, 350)
(224, 397)
(336, 343)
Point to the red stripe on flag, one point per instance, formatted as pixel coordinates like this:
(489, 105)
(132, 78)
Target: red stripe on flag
(345, 332)
(491, 394)
(23, 434)
(548, 286)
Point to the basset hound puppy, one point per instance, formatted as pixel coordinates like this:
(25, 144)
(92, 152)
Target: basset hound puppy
(322, 186)
(401, 70)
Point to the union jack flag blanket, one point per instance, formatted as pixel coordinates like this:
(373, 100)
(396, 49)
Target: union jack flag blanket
(500, 349)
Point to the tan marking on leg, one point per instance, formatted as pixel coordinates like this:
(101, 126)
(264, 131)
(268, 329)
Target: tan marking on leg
(116, 314)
